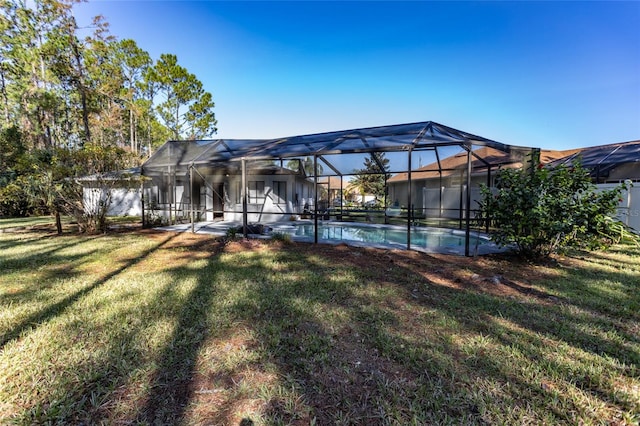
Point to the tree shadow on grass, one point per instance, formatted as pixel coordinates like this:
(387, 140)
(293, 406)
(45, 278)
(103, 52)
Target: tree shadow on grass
(606, 296)
(171, 390)
(11, 240)
(377, 369)
(39, 257)
(107, 384)
(341, 370)
(356, 344)
(45, 271)
(56, 309)
(532, 325)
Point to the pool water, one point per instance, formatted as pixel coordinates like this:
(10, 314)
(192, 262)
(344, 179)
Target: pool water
(427, 239)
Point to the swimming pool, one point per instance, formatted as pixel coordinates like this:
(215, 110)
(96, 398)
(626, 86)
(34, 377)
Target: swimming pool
(425, 239)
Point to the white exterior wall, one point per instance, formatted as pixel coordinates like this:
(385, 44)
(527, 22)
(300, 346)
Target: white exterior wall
(124, 201)
(268, 210)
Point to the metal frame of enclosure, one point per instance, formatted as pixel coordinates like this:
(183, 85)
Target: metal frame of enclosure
(315, 158)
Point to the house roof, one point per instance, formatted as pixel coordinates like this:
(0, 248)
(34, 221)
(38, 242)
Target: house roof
(118, 175)
(333, 181)
(270, 170)
(604, 155)
(481, 156)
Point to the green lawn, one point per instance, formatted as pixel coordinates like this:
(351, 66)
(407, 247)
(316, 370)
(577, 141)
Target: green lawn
(21, 223)
(24, 222)
(163, 328)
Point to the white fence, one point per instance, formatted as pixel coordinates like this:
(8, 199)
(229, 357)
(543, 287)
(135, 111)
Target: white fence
(629, 207)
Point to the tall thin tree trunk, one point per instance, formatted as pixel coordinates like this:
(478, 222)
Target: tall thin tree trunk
(83, 90)
(136, 137)
(5, 98)
(58, 223)
(177, 135)
(47, 135)
(131, 131)
(54, 134)
(43, 129)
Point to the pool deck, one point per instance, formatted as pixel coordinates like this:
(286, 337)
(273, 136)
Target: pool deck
(220, 228)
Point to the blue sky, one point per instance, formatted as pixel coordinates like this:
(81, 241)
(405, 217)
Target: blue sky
(554, 75)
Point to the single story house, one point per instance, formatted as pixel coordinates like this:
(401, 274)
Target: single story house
(438, 189)
(610, 163)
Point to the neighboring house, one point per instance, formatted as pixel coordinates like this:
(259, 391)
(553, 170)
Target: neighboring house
(335, 190)
(438, 189)
(440, 194)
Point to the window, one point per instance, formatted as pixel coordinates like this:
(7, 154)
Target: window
(255, 192)
(279, 192)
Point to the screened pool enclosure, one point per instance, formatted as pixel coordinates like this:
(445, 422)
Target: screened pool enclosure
(415, 175)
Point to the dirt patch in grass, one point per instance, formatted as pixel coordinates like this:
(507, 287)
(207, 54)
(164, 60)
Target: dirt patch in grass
(500, 275)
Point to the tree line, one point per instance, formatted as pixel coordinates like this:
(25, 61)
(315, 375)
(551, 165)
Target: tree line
(66, 90)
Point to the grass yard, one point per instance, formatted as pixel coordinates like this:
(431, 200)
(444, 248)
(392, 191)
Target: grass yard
(143, 327)
(20, 223)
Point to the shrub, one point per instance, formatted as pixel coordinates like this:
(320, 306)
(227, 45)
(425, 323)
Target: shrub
(281, 236)
(232, 233)
(547, 210)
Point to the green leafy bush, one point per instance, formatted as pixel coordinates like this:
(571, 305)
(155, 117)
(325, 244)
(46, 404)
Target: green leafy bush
(232, 233)
(14, 200)
(543, 210)
(281, 236)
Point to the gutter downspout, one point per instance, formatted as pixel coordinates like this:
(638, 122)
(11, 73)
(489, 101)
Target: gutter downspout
(315, 200)
(191, 198)
(245, 231)
(467, 232)
(409, 218)
(142, 195)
